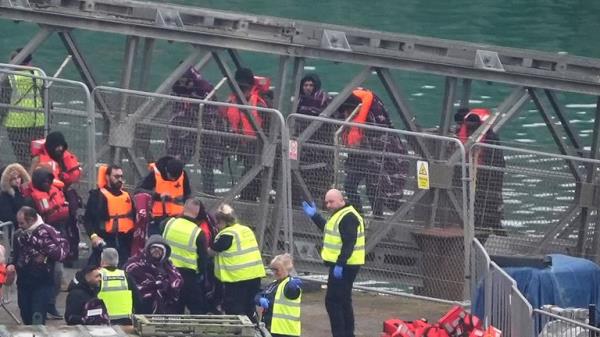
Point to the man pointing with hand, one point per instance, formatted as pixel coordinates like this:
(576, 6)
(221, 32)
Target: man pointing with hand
(343, 252)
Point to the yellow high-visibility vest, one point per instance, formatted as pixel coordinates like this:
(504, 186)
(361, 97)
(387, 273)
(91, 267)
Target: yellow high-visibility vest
(27, 107)
(286, 313)
(242, 261)
(116, 294)
(181, 234)
(332, 240)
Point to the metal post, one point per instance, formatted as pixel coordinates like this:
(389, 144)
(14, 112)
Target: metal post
(572, 136)
(297, 73)
(591, 178)
(146, 63)
(466, 93)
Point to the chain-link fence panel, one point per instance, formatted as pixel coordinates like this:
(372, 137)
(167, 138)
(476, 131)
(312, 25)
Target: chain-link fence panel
(411, 196)
(241, 166)
(533, 203)
(33, 104)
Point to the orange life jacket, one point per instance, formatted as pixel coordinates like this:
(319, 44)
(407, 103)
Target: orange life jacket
(355, 135)
(119, 212)
(51, 206)
(482, 113)
(238, 120)
(72, 172)
(173, 188)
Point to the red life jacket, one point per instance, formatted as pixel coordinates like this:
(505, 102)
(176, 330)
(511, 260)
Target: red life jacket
(355, 135)
(483, 115)
(51, 206)
(238, 120)
(72, 172)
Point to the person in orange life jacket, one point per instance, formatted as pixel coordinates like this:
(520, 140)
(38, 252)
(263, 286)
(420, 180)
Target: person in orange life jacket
(52, 152)
(193, 279)
(239, 123)
(489, 203)
(312, 100)
(37, 248)
(371, 168)
(238, 296)
(49, 201)
(169, 185)
(109, 215)
(338, 299)
(27, 122)
(282, 266)
(82, 304)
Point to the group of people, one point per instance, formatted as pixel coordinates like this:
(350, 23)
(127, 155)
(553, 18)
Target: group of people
(159, 251)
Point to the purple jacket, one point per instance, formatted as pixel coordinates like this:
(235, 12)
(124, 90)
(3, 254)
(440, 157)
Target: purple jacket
(313, 104)
(157, 281)
(36, 251)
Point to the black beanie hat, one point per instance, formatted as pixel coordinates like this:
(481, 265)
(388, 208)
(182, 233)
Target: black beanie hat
(54, 139)
(244, 76)
(174, 167)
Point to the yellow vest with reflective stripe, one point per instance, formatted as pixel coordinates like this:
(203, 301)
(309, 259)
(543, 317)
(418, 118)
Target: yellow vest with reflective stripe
(27, 107)
(242, 261)
(115, 293)
(286, 313)
(332, 240)
(181, 234)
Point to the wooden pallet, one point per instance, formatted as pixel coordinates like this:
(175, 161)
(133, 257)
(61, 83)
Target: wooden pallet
(193, 325)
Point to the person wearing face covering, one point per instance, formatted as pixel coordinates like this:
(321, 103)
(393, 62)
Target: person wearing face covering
(109, 214)
(156, 280)
(83, 305)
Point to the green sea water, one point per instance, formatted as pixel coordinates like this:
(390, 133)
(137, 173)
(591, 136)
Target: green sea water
(569, 26)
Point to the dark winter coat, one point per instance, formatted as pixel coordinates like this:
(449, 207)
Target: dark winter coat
(157, 281)
(80, 300)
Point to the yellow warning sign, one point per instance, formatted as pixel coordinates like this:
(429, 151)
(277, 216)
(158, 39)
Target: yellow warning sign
(422, 175)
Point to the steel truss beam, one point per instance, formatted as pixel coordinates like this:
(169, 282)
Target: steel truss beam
(280, 36)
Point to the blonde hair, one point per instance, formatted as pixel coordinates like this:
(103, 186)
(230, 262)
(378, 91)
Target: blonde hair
(286, 261)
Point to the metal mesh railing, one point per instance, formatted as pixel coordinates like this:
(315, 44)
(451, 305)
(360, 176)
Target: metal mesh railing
(526, 202)
(242, 167)
(562, 324)
(408, 191)
(32, 104)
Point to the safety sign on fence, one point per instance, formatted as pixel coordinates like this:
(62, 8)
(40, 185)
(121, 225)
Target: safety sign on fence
(422, 175)
(293, 151)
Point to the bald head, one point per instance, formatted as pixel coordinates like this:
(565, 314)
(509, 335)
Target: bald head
(192, 207)
(334, 200)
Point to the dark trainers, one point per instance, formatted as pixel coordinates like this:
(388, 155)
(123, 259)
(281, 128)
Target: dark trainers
(53, 314)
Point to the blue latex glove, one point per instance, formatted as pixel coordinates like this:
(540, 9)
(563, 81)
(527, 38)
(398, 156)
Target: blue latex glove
(338, 271)
(295, 282)
(264, 303)
(309, 208)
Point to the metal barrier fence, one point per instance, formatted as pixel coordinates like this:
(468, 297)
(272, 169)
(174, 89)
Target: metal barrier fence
(526, 202)
(548, 324)
(243, 168)
(413, 198)
(66, 106)
(496, 298)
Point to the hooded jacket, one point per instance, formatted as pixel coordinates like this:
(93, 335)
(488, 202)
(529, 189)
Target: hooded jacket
(12, 199)
(149, 183)
(157, 281)
(65, 167)
(79, 300)
(312, 104)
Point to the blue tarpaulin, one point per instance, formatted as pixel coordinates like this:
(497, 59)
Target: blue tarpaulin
(569, 282)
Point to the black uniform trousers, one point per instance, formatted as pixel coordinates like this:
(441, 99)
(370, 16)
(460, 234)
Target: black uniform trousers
(238, 297)
(338, 301)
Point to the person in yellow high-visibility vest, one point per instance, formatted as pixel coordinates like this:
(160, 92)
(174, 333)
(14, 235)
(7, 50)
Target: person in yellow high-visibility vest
(279, 303)
(238, 263)
(189, 256)
(343, 252)
(24, 117)
(116, 289)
